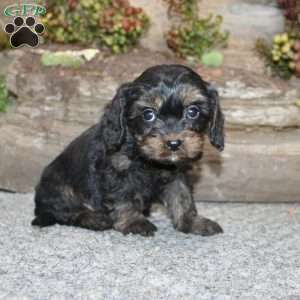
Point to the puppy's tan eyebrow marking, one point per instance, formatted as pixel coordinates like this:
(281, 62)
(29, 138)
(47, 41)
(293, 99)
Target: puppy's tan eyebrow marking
(158, 102)
(154, 102)
(190, 94)
(144, 103)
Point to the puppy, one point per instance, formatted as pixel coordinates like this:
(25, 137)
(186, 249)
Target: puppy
(140, 151)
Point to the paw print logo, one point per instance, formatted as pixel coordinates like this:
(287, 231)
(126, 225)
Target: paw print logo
(24, 32)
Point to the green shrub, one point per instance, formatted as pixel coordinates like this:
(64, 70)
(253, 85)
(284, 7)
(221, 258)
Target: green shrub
(282, 58)
(4, 40)
(212, 59)
(183, 8)
(291, 13)
(3, 95)
(110, 23)
(197, 36)
(194, 36)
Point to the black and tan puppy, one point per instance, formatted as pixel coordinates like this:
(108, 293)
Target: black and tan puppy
(139, 152)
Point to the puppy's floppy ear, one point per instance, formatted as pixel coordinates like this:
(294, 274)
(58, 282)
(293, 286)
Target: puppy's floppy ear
(216, 122)
(114, 120)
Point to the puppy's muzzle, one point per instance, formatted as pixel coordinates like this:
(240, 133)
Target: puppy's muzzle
(174, 145)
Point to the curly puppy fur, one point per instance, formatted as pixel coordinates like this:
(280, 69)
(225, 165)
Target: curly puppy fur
(140, 151)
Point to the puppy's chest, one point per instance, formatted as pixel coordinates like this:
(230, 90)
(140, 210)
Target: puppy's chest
(145, 176)
(154, 180)
(149, 184)
(142, 177)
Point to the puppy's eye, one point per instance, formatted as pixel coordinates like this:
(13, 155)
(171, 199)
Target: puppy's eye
(192, 112)
(149, 115)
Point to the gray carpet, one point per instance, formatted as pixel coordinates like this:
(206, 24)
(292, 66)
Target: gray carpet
(258, 257)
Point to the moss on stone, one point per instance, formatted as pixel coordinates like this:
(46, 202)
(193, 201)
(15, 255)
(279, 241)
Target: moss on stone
(60, 59)
(4, 40)
(3, 95)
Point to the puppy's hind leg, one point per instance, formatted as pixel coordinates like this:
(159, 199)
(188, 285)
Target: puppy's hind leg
(54, 208)
(182, 210)
(90, 220)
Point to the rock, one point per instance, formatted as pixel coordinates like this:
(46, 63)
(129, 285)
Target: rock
(86, 54)
(246, 20)
(55, 105)
(255, 166)
(157, 11)
(248, 101)
(255, 20)
(6, 58)
(260, 166)
(246, 106)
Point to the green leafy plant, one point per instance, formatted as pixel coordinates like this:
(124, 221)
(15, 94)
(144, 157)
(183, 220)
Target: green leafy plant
(291, 12)
(184, 8)
(197, 36)
(4, 41)
(212, 59)
(113, 24)
(3, 95)
(282, 57)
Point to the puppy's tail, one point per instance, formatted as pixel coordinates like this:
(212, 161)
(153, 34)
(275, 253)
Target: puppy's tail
(43, 220)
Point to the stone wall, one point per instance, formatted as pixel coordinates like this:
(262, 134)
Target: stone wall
(262, 155)
(54, 105)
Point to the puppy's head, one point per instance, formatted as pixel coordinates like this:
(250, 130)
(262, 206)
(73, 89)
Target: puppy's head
(168, 110)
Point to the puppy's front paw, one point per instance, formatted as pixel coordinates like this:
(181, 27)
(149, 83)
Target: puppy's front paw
(140, 226)
(205, 227)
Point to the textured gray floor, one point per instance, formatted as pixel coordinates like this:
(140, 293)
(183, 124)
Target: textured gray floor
(258, 257)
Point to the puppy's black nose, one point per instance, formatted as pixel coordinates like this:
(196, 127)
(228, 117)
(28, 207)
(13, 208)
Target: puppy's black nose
(174, 145)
